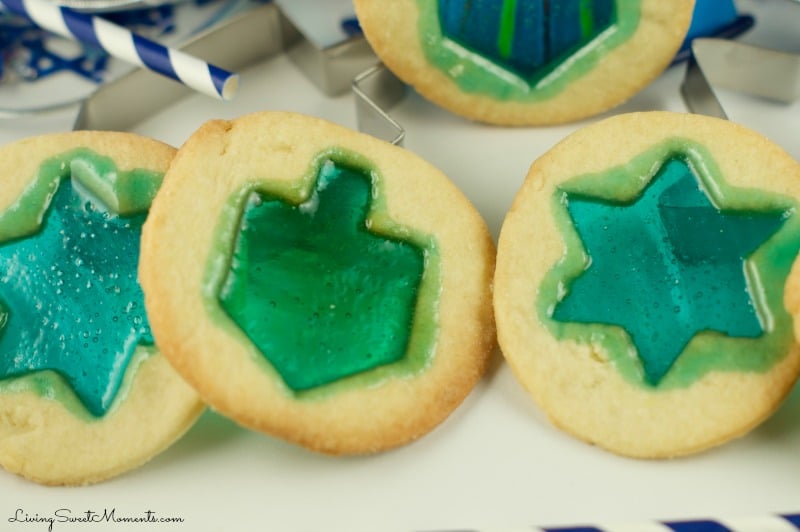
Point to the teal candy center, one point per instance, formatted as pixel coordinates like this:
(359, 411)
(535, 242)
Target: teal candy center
(320, 295)
(666, 266)
(69, 294)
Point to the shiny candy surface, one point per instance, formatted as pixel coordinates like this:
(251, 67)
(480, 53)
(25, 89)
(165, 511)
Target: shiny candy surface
(516, 50)
(319, 294)
(71, 302)
(525, 36)
(668, 271)
(666, 266)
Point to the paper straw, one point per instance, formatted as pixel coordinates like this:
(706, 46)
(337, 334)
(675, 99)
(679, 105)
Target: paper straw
(128, 46)
(764, 523)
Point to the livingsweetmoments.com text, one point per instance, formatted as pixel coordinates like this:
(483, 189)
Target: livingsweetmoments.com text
(67, 516)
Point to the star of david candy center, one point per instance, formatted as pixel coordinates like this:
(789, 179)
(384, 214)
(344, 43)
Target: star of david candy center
(70, 298)
(666, 266)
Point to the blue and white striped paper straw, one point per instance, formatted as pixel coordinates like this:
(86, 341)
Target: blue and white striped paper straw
(763, 523)
(128, 46)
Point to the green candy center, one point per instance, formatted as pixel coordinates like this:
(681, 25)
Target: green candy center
(318, 293)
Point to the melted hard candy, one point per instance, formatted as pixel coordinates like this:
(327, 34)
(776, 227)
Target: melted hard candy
(666, 266)
(320, 295)
(70, 299)
(525, 36)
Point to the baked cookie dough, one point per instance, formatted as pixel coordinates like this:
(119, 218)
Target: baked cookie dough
(317, 284)
(640, 280)
(84, 394)
(526, 62)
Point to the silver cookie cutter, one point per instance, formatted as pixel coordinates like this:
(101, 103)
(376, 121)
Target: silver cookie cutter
(243, 40)
(376, 91)
(744, 68)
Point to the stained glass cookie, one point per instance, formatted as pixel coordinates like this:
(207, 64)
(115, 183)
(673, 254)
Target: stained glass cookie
(84, 393)
(526, 62)
(317, 284)
(640, 280)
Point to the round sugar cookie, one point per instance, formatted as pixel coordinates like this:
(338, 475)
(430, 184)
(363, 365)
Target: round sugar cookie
(526, 62)
(84, 393)
(317, 284)
(640, 279)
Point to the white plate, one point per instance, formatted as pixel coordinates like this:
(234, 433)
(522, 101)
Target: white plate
(496, 463)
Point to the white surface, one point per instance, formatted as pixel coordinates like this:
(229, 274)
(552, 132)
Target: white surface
(496, 462)
(319, 20)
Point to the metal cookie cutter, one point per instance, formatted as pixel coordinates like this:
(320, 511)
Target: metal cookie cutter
(740, 67)
(376, 91)
(242, 41)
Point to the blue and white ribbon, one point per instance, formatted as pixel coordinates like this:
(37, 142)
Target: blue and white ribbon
(123, 44)
(766, 523)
